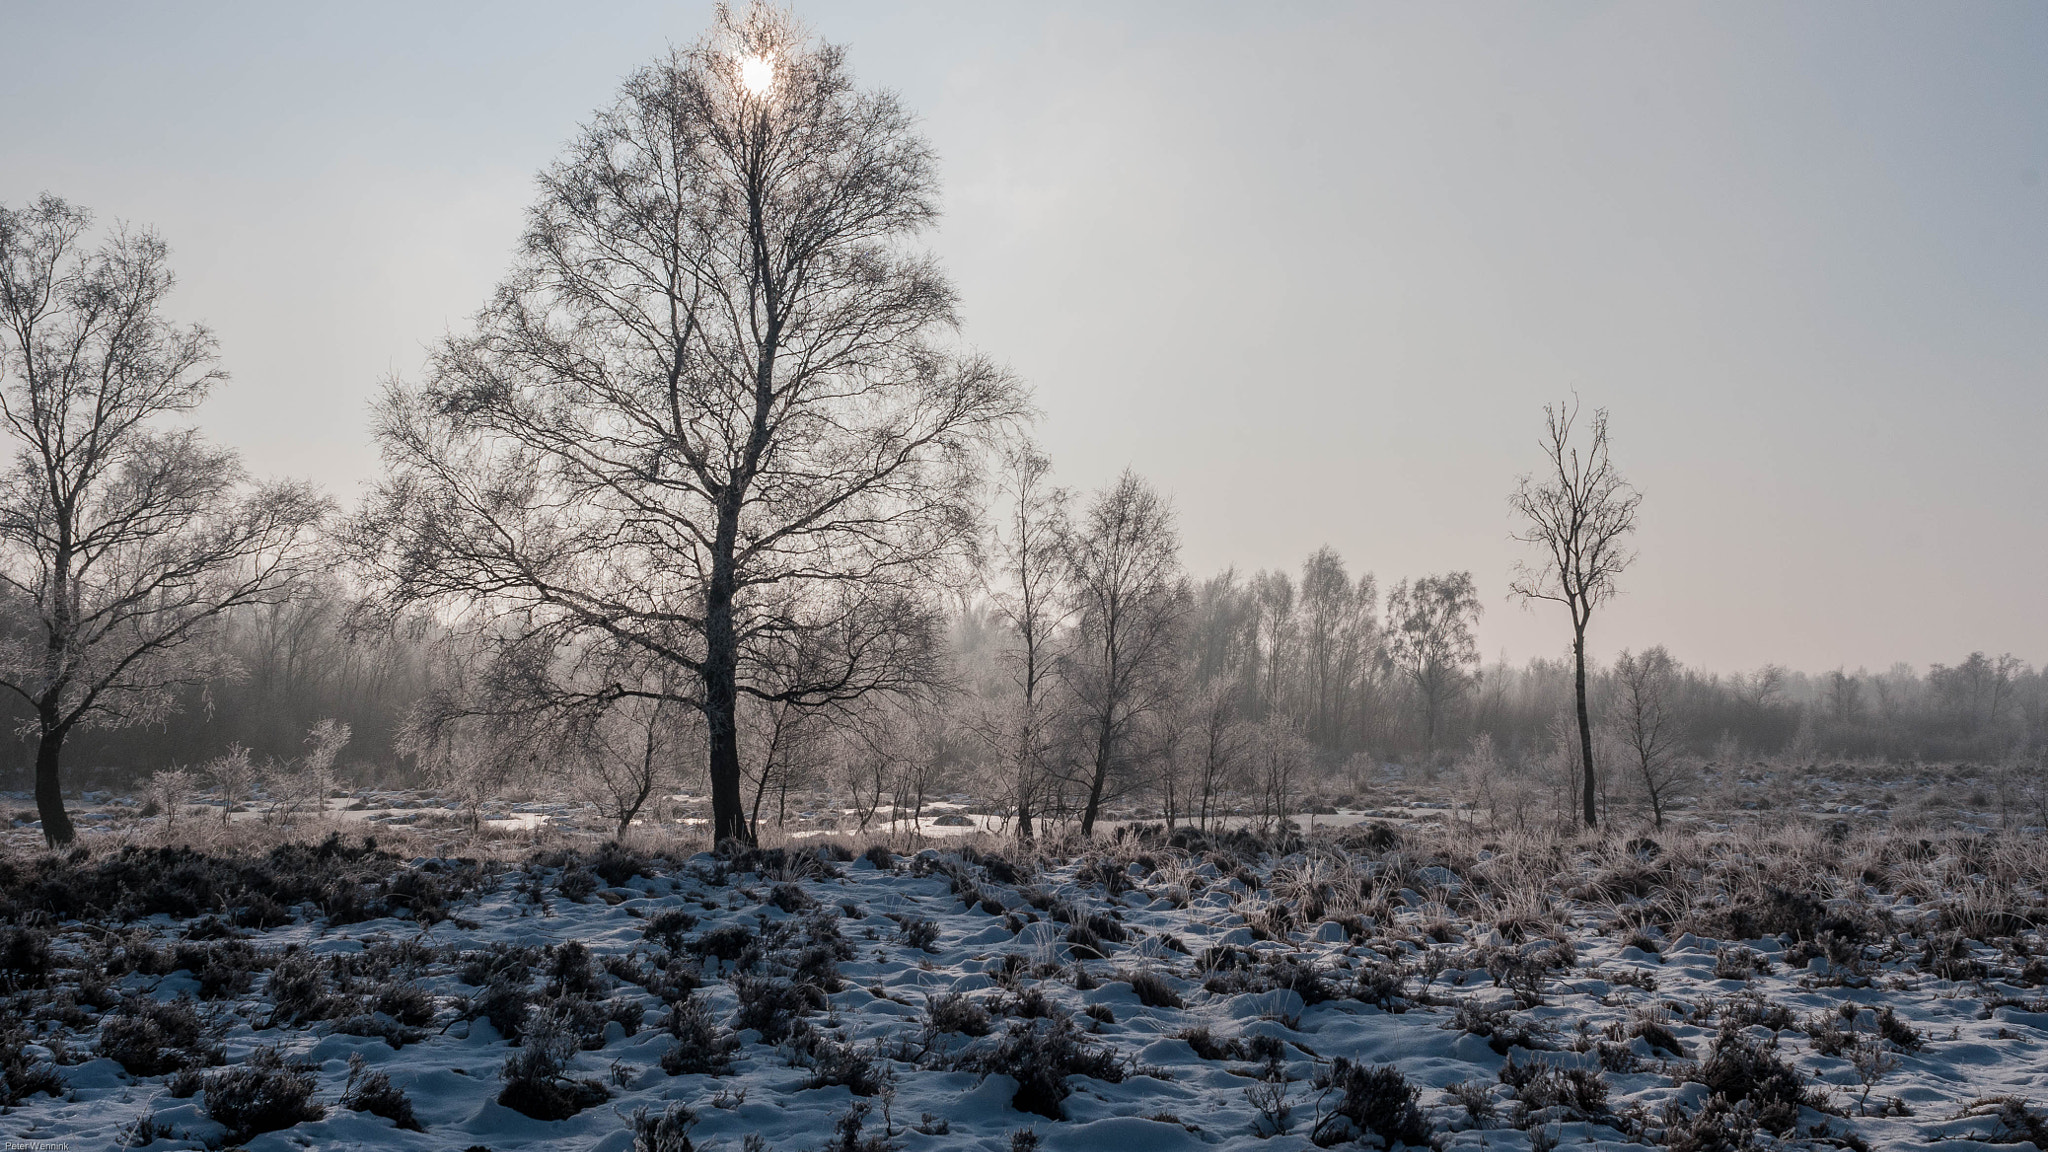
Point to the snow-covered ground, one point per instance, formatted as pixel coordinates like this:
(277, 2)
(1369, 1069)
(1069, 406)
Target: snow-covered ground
(1212, 989)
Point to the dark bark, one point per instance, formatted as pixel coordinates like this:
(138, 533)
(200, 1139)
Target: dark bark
(1104, 747)
(1585, 723)
(57, 830)
(721, 699)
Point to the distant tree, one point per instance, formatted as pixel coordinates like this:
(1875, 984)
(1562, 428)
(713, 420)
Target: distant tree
(1646, 723)
(1130, 598)
(1580, 512)
(1279, 756)
(1215, 742)
(123, 542)
(1338, 640)
(714, 413)
(1429, 638)
(1026, 579)
(1273, 600)
(1762, 688)
(1844, 697)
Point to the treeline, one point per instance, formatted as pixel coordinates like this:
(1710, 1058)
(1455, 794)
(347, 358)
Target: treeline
(1283, 681)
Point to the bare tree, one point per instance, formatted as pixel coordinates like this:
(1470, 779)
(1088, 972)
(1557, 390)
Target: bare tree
(1429, 638)
(1338, 638)
(625, 754)
(170, 789)
(234, 777)
(783, 746)
(1273, 596)
(709, 415)
(1218, 743)
(122, 542)
(1579, 512)
(1645, 721)
(1124, 561)
(1028, 573)
(1279, 755)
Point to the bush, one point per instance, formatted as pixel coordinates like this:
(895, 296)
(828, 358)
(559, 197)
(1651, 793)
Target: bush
(615, 865)
(771, 1005)
(791, 899)
(407, 1003)
(266, 1093)
(24, 959)
(1740, 1069)
(21, 1079)
(576, 884)
(297, 992)
(880, 857)
(571, 972)
(1208, 1047)
(955, 1012)
(667, 1132)
(506, 1003)
(1039, 1055)
(372, 1091)
(667, 928)
(1904, 1035)
(834, 1065)
(152, 1037)
(701, 1046)
(1498, 1026)
(1153, 991)
(1541, 1084)
(919, 933)
(1382, 984)
(1371, 1101)
(727, 943)
(536, 1080)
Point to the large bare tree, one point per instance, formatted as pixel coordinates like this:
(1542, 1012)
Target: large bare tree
(1130, 596)
(1580, 512)
(712, 417)
(123, 541)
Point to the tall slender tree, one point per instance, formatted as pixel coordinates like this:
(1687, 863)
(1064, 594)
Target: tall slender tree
(1580, 512)
(124, 543)
(712, 418)
(1027, 582)
(1130, 598)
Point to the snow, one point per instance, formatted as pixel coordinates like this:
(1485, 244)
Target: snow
(1174, 1099)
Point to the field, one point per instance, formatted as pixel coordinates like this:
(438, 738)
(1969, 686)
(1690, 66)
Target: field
(1812, 980)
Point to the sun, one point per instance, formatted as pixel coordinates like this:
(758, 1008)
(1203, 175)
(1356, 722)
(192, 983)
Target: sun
(757, 74)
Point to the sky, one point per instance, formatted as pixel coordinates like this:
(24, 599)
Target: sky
(1312, 269)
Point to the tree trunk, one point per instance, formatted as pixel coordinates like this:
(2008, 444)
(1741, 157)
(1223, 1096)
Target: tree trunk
(721, 687)
(1102, 747)
(1585, 726)
(57, 830)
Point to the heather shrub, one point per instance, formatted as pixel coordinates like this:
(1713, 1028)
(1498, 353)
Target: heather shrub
(152, 1037)
(536, 1078)
(700, 1045)
(1371, 1101)
(264, 1093)
(371, 1091)
(1040, 1055)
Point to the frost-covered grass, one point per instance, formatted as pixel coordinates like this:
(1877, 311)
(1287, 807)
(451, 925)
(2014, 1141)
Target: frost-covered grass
(1803, 985)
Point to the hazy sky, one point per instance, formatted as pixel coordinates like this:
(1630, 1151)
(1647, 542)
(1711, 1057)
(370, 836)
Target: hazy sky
(1313, 269)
